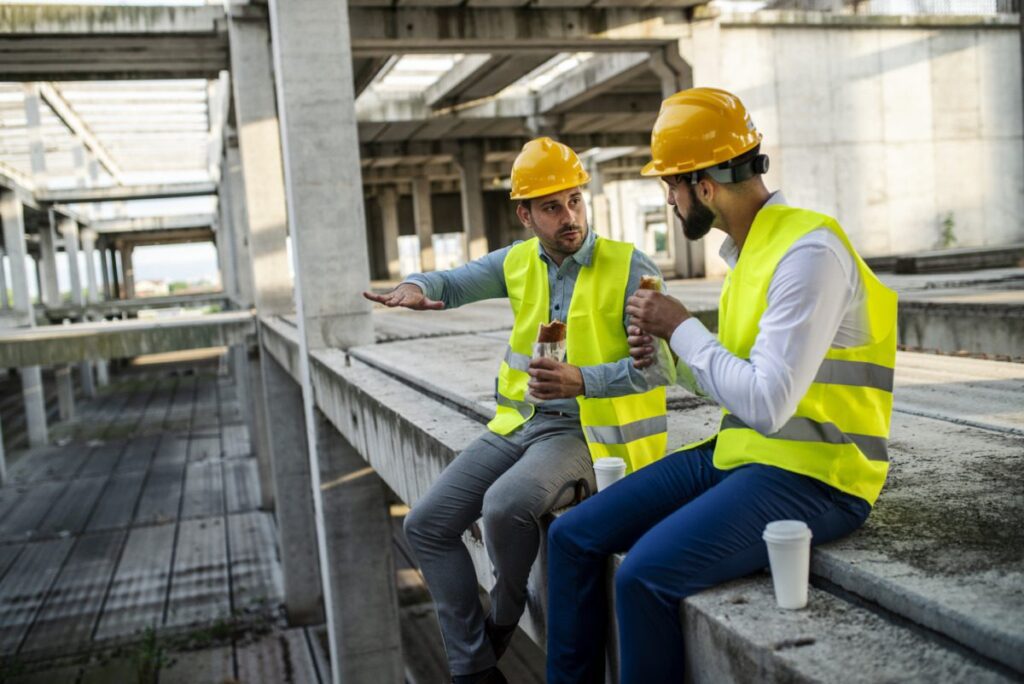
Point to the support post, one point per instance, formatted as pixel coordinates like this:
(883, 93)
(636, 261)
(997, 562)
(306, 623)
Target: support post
(258, 191)
(89, 249)
(128, 270)
(387, 198)
(322, 176)
(602, 221)
(65, 393)
(424, 220)
(13, 219)
(49, 293)
(470, 160)
(105, 272)
(5, 302)
(69, 229)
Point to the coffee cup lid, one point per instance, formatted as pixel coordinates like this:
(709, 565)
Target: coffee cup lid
(610, 462)
(787, 530)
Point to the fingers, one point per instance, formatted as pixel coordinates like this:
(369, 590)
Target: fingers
(643, 362)
(545, 390)
(544, 364)
(374, 297)
(431, 304)
(543, 375)
(639, 339)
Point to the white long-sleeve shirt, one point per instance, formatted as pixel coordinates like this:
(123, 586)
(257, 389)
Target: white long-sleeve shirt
(815, 301)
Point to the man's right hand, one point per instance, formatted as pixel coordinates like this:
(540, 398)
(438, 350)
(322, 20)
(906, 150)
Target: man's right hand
(406, 295)
(641, 347)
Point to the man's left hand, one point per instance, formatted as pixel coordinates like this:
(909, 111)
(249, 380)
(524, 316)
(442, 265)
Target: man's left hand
(550, 379)
(655, 313)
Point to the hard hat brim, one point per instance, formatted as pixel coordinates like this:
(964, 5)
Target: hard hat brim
(552, 189)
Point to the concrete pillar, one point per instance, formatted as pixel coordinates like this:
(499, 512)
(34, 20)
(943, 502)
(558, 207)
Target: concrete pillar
(5, 303)
(65, 393)
(300, 558)
(313, 68)
(105, 273)
(257, 192)
(49, 294)
(128, 271)
(38, 275)
(424, 222)
(13, 219)
(470, 159)
(601, 219)
(89, 249)
(34, 132)
(234, 183)
(387, 198)
(69, 229)
(115, 277)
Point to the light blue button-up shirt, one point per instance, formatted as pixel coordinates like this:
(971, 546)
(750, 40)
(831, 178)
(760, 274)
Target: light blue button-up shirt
(484, 278)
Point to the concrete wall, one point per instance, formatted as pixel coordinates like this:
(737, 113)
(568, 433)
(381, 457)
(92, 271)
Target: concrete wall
(891, 130)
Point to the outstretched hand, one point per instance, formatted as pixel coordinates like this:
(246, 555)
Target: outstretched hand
(405, 295)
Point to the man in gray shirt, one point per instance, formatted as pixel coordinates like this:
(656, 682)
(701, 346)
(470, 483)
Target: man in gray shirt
(531, 459)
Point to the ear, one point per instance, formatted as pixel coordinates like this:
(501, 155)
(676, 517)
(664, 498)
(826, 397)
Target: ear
(706, 190)
(523, 214)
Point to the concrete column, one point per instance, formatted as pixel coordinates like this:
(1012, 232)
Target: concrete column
(313, 68)
(39, 275)
(300, 558)
(601, 219)
(34, 132)
(65, 393)
(105, 273)
(470, 160)
(5, 303)
(89, 249)
(128, 271)
(234, 183)
(49, 294)
(69, 229)
(257, 192)
(115, 285)
(13, 219)
(424, 222)
(387, 198)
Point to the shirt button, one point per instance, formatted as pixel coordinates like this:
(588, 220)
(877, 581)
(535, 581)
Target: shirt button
(556, 307)
(559, 277)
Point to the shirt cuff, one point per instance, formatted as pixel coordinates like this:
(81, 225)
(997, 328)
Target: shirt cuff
(593, 382)
(689, 338)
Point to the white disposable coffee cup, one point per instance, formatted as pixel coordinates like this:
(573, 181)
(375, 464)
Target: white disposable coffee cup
(608, 471)
(789, 553)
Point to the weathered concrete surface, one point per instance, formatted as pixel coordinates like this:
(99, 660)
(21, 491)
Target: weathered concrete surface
(408, 438)
(132, 306)
(58, 344)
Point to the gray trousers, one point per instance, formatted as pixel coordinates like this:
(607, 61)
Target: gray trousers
(511, 481)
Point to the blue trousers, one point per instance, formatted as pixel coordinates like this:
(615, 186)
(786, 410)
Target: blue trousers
(687, 526)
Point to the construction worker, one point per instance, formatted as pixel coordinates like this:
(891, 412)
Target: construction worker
(802, 367)
(536, 451)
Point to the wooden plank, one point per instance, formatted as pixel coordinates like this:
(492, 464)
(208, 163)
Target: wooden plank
(204, 448)
(256, 579)
(241, 485)
(279, 657)
(117, 503)
(139, 588)
(24, 587)
(199, 585)
(208, 665)
(22, 521)
(72, 509)
(138, 453)
(69, 615)
(161, 494)
(103, 459)
(204, 490)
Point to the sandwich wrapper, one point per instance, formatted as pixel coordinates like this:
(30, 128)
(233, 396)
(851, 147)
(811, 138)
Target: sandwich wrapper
(550, 344)
(663, 370)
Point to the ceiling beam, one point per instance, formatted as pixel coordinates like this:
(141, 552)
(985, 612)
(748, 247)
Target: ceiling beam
(155, 223)
(591, 78)
(126, 192)
(52, 96)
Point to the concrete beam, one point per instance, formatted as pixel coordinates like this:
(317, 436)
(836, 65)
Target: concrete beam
(434, 148)
(125, 192)
(68, 42)
(62, 109)
(365, 70)
(406, 29)
(154, 224)
(60, 344)
(592, 78)
(478, 76)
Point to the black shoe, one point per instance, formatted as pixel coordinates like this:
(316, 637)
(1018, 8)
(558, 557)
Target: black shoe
(500, 637)
(491, 675)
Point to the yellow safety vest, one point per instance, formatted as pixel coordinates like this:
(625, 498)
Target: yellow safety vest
(633, 427)
(840, 430)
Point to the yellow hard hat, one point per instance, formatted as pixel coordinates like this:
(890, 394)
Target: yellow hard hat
(697, 129)
(545, 166)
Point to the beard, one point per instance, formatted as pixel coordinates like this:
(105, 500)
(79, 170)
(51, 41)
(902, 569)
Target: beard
(698, 219)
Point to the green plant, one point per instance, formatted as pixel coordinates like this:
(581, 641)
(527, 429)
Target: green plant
(948, 235)
(149, 656)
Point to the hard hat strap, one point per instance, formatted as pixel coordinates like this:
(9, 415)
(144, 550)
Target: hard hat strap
(733, 171)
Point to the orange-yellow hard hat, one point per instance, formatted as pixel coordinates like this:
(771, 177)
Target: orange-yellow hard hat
(697, 129)
(546, 166)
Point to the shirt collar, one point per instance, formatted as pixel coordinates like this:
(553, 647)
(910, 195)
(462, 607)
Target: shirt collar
(583, 256)
(728, 250)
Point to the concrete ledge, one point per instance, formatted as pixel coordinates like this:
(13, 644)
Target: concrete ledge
(61, 344)
(117, 306)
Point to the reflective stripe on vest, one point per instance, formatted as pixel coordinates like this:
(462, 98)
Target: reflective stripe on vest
(840, 429)
(633, 427)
